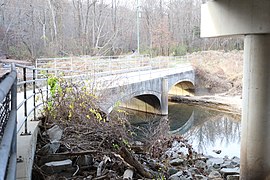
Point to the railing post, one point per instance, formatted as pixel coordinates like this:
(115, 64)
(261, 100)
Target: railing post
(34, 93)
(25, 103)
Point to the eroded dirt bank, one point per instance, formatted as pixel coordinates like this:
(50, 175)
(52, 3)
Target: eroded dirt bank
(218, 81)
(231, 104)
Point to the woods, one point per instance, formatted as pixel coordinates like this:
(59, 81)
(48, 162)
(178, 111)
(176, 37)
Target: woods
(36, 28)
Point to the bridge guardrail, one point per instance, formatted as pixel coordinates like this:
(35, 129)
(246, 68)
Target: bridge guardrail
(95, 65)
(8, 127)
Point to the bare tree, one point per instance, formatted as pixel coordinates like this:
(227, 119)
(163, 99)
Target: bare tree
(33, 28)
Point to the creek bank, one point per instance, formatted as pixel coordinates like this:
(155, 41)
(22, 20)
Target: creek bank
(167, 157)
(231, 104)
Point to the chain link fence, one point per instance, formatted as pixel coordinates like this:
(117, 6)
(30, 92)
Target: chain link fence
(4, 110)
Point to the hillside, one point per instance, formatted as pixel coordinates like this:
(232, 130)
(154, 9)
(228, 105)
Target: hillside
(218, 81)
(219, 71)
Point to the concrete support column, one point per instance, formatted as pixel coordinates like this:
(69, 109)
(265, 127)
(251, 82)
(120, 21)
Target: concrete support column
(164, 97)
(255, 137)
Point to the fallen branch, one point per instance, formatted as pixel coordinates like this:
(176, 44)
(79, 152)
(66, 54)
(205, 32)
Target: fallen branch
(76, 153)
(101, 177)
(127, 156)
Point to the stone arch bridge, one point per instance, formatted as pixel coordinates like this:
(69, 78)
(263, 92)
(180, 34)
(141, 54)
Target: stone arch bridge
(149, 91)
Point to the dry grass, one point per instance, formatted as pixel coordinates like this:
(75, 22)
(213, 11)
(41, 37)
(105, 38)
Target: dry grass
(221, 71)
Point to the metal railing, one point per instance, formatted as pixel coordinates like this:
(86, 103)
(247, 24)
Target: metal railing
(108, 65)
(8, 110)
(32, 84)
(20, 81)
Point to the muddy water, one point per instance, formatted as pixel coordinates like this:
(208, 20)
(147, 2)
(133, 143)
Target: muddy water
(206, 129)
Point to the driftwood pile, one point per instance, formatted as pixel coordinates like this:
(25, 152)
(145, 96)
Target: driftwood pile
(107, 151)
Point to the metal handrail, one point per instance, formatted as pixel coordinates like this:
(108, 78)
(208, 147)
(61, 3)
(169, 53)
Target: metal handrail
(8, 100)
(26, 81)
(8, 147)
(95, 65)
(28, 103)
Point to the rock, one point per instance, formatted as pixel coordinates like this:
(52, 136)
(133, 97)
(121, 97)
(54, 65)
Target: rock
(217, 151)
(128, 174)
(203, 157)
(227, 164)
(194, 171)
(181, 175)
(57, 166)
(214, 174)
(216, 166)
(176, 176)
(200, 177)
(50, 148)
(177, 149)
(230, 171)
(200, 165)
(235, 161)
(55, 133)
(174, 155)
(213, 161)
(172, 171)
(169, 153)
(233, 177)
(177, 162)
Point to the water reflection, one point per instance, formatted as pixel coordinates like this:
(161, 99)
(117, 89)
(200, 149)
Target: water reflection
(220, 132)
(205, 128)
(209, 129)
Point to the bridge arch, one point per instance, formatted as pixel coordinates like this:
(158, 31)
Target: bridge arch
(181, 83)
(182, 88)
(146, 101)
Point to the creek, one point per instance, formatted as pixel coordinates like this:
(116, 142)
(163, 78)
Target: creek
(208, 130)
